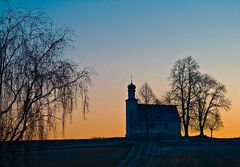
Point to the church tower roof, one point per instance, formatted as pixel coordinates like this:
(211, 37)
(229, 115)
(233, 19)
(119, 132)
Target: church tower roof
(131, 86)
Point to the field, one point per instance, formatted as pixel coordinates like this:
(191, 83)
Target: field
(123, 153)
(198, 158)
(104, 156)
(194, 156)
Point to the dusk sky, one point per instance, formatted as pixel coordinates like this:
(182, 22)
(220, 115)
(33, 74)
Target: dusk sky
(120, 38)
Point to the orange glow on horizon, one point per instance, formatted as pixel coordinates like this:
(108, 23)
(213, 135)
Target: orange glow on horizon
(107, 118)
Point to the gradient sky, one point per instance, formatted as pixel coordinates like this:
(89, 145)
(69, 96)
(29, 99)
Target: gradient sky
(145, 38)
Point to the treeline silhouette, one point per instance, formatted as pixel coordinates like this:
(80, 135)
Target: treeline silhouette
(200, 98)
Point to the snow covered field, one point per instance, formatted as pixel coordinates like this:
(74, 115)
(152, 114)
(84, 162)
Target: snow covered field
(122, 153)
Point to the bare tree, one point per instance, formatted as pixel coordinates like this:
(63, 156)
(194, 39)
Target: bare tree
(197, 95)
(210, 99)
(183, 79)
(37, 83)
(214, 122)
(146, 95)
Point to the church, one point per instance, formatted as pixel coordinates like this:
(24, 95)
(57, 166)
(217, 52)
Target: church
(150, 120)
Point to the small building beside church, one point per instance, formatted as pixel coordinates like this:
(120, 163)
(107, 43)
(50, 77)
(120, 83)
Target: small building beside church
(150, 120)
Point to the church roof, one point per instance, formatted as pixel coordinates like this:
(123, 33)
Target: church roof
(158, 112)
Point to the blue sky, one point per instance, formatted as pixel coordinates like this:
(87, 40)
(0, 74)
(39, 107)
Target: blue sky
(144, 38)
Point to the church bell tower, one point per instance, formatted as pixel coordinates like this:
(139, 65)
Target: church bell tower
(131, 109)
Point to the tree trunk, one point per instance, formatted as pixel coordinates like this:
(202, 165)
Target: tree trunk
(186, 134)
(201, 131)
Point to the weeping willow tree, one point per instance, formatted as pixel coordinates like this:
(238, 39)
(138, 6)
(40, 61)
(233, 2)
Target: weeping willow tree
(37, 82)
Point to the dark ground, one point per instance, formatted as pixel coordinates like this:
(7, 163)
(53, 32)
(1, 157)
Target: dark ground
(119, 152)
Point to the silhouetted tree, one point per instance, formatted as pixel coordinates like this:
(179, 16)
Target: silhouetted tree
(210, 99)
(214, 122)
(183, 78)
(197, 95)
(146, 95)
(37, 83)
